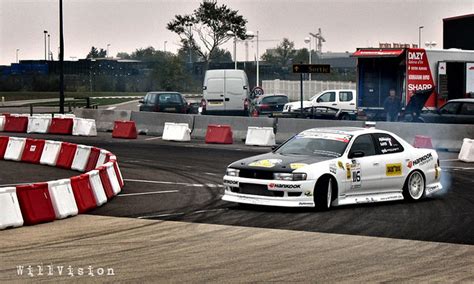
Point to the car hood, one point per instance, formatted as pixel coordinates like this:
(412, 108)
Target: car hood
(297, 105)
(418, 100)
(275, 162)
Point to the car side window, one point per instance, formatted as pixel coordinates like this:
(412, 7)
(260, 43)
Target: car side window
(150, 99)
(467, 109)
(327, 97)
(365, 144)
(387, 144)
(345, 96)
(450, 108)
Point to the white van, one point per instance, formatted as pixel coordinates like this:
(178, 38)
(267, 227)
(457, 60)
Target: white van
(225, 92)
(341, 100)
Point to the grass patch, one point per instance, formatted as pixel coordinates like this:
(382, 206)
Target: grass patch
(18, 96)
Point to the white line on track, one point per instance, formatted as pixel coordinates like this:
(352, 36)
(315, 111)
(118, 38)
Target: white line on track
(174, 183)
(147, 193)
(153, 138)
(111, 108)
(180, 213)
(457, 168)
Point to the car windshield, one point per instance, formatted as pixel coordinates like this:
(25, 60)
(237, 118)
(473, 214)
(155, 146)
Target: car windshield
(316, 144)
(170, 98)
(315, 96)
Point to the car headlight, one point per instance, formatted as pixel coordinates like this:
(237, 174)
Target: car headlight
(289, 176)
(232, 172)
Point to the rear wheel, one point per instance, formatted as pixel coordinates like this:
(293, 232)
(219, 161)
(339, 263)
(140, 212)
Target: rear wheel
(414, 186)
(324, 193)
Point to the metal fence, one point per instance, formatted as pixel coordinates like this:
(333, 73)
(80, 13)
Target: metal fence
(310, 88)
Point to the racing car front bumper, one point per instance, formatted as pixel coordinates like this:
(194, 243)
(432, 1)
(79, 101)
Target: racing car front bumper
(269, 192)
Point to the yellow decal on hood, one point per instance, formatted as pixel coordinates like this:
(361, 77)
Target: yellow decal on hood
(265, 163)
(340, 165)
(296, 166)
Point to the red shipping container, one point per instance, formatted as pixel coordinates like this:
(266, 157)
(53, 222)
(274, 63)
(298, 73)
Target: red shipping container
(33, 150)
(16, 124)
(66, 155)
(83, 193)
(125, 129)
(3, 145)
(93, 157)
(104, 178)
(35, 203)
(61, 126)
(219, 134)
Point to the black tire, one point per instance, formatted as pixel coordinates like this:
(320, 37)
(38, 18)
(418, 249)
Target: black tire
(414, 187)
(345, 116)
(324, 193)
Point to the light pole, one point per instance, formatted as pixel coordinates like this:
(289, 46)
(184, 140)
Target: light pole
(17, 54)
(49, 49)
(419, 35)
(430, 44)
(107, 54)
(231, 33)
(308, 41)
(165, 42)
(45, 32)
(189, 42)
(61, 59)
(251, 35)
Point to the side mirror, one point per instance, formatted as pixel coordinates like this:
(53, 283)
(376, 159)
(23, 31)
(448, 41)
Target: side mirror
(274, 147)
(356, 154)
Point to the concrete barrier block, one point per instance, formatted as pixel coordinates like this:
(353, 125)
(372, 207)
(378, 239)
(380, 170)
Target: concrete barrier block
(153, 123)
(104, 118)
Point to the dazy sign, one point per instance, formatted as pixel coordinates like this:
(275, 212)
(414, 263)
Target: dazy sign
(418, 72)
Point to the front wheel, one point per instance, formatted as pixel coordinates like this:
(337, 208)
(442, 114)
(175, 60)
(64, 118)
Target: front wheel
(414, 186)
(324, 193)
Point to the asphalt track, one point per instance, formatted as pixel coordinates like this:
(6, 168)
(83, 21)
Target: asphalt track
(170, 181)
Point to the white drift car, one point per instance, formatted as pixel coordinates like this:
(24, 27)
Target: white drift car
(326, 167)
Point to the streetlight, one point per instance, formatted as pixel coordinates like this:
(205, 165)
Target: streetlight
(308, 41)
(231, 33)
(251, 35)
(189, 42)
(17, 54)
(107, 54)
(430, 44)
(49, 49)
(419, 35)
(45, 33)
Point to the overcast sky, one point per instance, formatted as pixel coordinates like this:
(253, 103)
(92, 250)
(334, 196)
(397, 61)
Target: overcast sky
(130, 24)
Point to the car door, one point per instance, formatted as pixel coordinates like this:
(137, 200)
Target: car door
(364, 171)
(394, 161)
(215, 93)
(466, 114)
(234, 92)
(448, 113)
(346, 100)
(326, 99)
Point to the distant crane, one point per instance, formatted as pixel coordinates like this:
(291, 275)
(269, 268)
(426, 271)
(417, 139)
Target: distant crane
(319, 41)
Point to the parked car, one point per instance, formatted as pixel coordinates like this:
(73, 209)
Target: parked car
(457, 111)
(319, 112)
(225, 92)
(164, 102)
(344, 100)
(268, 104)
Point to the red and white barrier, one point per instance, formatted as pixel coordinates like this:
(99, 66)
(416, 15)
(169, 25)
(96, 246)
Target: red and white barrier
(84, 127)
(62, 198)
(125, 129)
(14, 149)
(44, 202)
(81, 157)
(219, 134)
(38, 124)
(50, 153)
(83, 193)
(35, 203)
(260, 136)
(10, 213)
(92, 161)
(176, 132)
(16, 123)
(2, 122)
(97, 188)
(66, 155)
